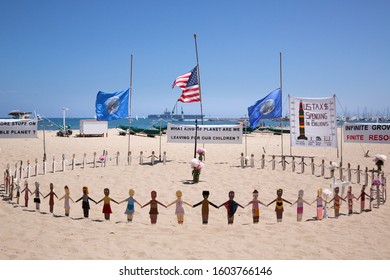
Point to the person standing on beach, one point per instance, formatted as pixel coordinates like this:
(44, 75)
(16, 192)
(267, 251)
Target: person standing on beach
(299, 202)
(66, 198)
(153, 207)
(179, 207)
(86, 200)
(51, 199)
(255, 206)
(279, 205)
(130, 205)
(231, 207)
(205, 207)
(106, 205)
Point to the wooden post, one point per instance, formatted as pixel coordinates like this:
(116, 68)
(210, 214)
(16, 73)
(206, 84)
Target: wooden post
(16, 170)
(312, 166)
(28, 168)
(152, 158)
(73, 161)
(129, 158)
(273, 162)
(63, 163)
(141, 157)
(252, 161)
(262, 161)
(94, 159)
(358, 174)
(36, 167)
(384, 194)
(323, 168)
(53, 165)
(164, 157)
(366, 176)
(117, 158)
(331, 170)
(283, 163)
(293, 164)
(302, 165)
(21, 170)
(341, 170)
(84, 160)
(349, 172)
(44, 167)
(105, 159)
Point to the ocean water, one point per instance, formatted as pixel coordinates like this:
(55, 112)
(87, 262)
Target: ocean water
(74, 123)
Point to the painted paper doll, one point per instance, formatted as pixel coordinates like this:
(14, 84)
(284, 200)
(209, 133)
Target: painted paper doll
(205, 207)
(320, 204)
(85, 202)
(299, 202)
(130, 205)
(179, 212)
(362, 198)
(66, 197)
(231, 207)
(37, 198)
(26, 191)
(255, 206)
(107, 203)
(350, 196)
(279, 205)
(153, 207)
(336, 202)
(51, 196)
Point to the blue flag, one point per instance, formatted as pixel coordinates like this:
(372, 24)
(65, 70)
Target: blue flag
(112, 106)
(270, 107)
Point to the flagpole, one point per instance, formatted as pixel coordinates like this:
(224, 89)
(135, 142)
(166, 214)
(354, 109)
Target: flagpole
(198, 70)
(131, 94)
(281, 99)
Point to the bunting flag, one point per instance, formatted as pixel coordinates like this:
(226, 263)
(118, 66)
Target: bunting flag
(189, 84)
(112, 106)
(270, 107)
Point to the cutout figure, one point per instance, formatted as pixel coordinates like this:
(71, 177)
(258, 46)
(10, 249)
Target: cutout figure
(205, 207)
(107, 203)
(51, 195)
(153, 207)
(66, 197)
(37, 198)
(26, 191)
(179, 212)
(279, 205)
(130, 205)
(255, 206)
(299, 202)
(350, 197)
(320, 207)
(231, 207)
(362, 197)
(336, 202)
(85, 203)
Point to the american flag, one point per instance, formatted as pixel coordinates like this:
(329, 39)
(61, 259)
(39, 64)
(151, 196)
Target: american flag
(189, 84)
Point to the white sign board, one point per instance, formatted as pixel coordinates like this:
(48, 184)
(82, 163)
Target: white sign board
(367, 133)
(207, 134)
(14, 128)
(313, 122)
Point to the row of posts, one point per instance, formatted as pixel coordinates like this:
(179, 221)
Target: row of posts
(344, 173)
(26, 172)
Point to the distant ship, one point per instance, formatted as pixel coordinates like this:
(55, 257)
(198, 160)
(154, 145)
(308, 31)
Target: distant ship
(167, 115)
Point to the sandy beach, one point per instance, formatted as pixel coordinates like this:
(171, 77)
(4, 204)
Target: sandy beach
(30, 235)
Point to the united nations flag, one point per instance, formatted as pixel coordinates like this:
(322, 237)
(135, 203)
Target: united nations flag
(112, 106)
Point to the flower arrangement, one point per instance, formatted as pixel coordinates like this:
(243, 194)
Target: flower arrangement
(196, 166)
(379, 161)
(201, 152)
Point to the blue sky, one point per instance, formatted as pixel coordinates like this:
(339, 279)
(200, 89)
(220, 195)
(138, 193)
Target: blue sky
(61, 53)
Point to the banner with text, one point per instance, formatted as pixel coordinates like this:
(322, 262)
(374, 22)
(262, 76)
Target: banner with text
(313, 122)
(207, 134)
(11, 128)
(367, 133)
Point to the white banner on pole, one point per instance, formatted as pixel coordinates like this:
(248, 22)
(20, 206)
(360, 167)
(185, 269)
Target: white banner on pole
(207, 134)
(313, 122)
(367, 133)
(14, 128)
